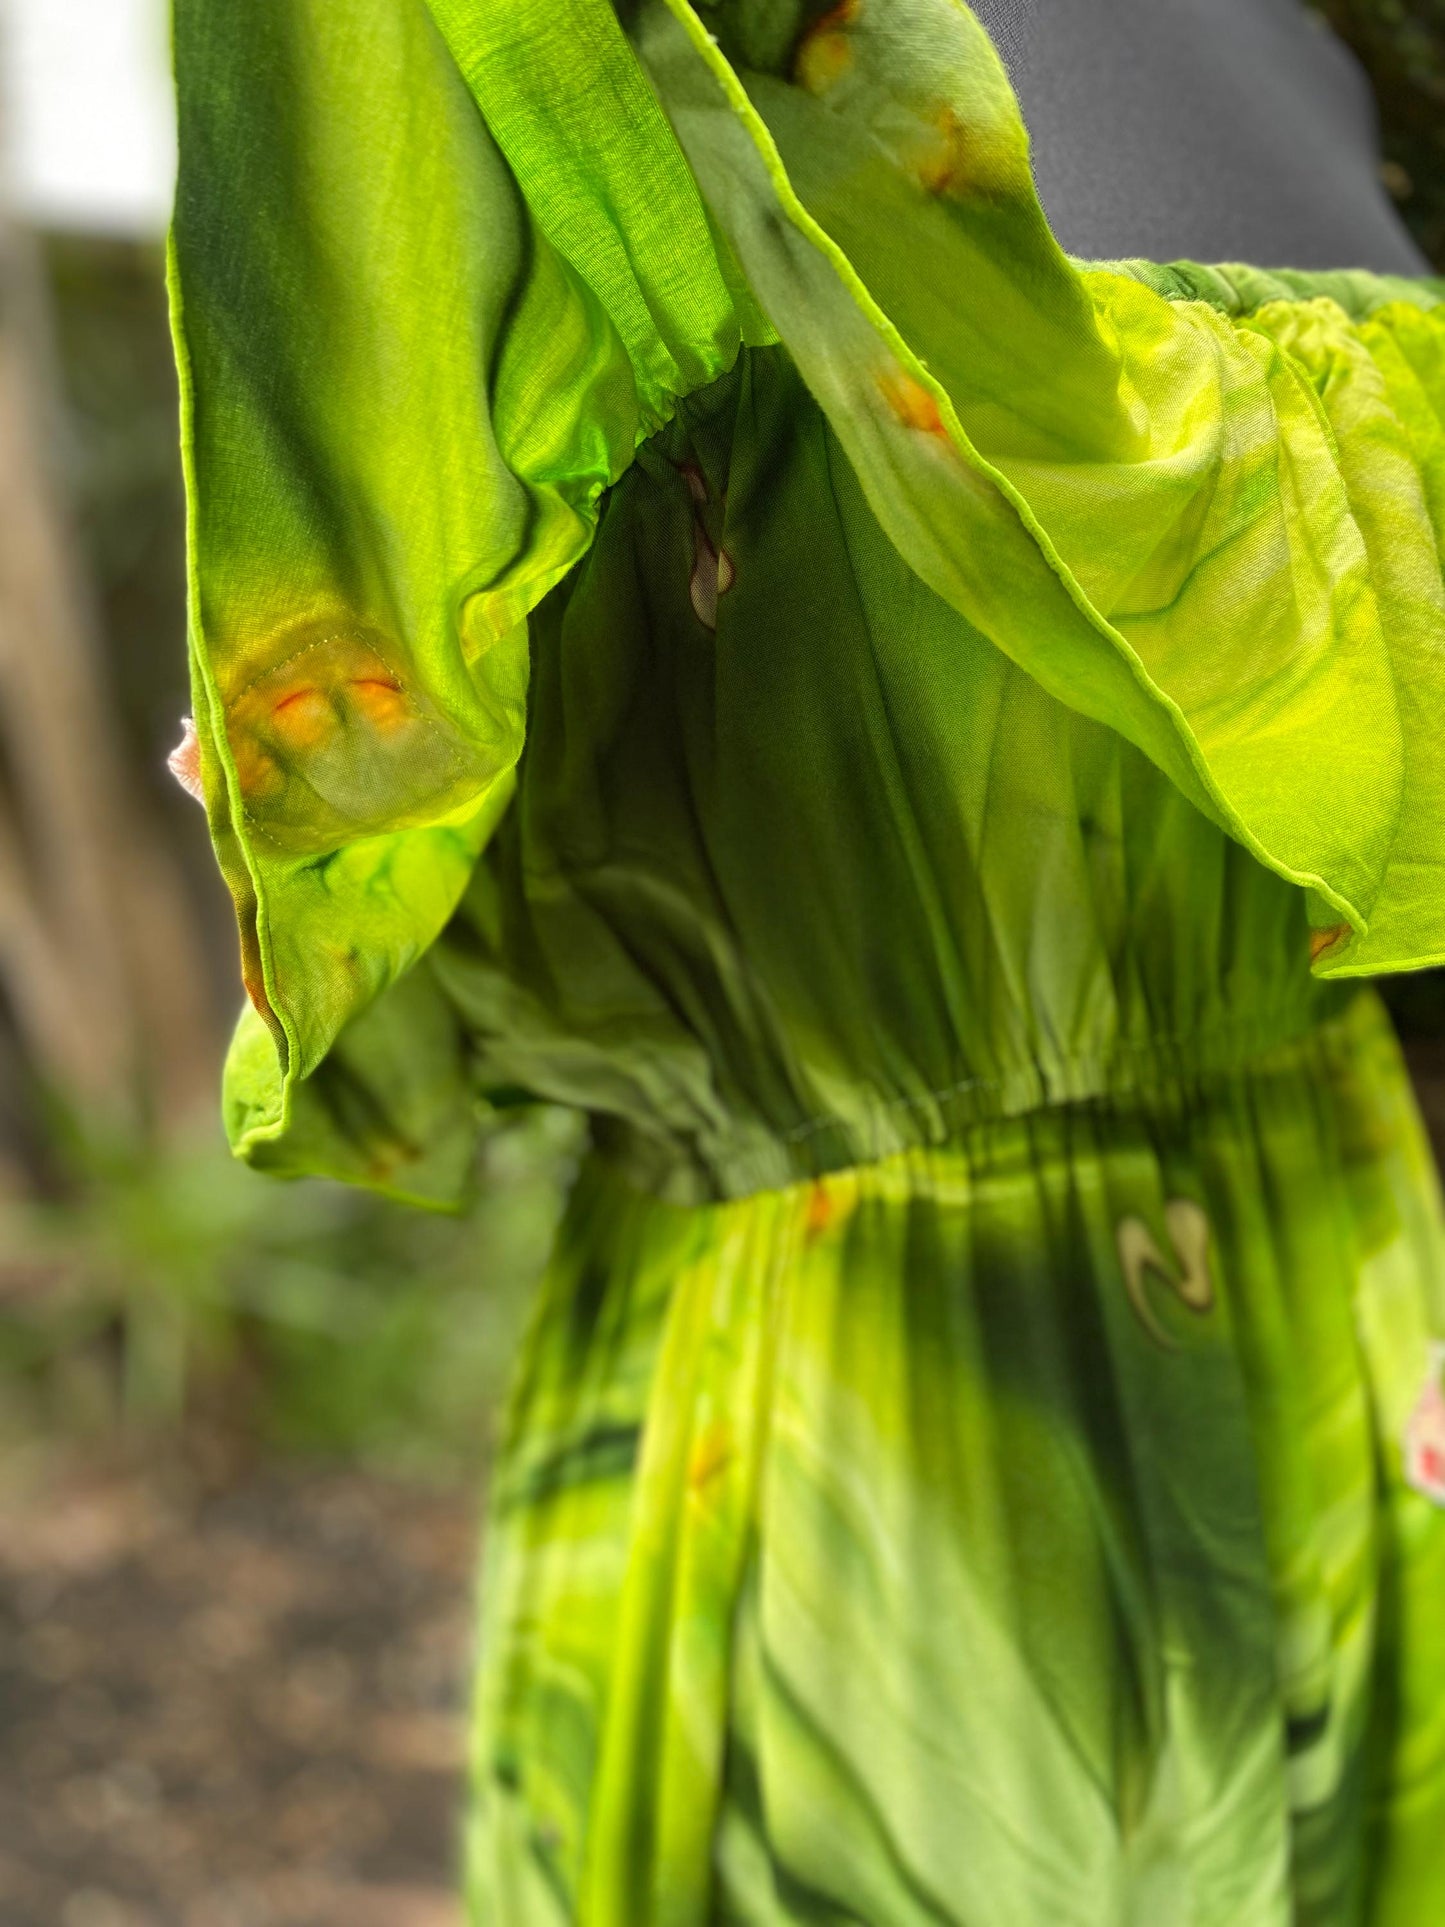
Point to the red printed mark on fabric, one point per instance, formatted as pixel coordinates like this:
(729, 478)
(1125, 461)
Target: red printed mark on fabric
(824, 53)
(1424, 1441)
(304, 717)
(1323, 940)
(947, 159)
(911, 404)
(967, 159)
(331, 742)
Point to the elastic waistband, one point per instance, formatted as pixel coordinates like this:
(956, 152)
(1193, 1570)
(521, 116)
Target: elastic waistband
(1167, 1083)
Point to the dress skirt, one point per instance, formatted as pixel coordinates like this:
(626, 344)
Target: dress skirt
(1042, 1529)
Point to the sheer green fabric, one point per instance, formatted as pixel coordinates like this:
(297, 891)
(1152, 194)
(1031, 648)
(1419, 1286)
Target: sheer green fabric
(401, 402)
(456, 306)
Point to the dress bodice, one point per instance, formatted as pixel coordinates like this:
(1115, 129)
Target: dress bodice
(702, 609)
(802, 869)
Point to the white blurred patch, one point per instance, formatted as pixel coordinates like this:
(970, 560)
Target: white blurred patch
(184, 761)
(86, 114)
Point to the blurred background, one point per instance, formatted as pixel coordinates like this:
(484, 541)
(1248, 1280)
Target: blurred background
(243, 1426)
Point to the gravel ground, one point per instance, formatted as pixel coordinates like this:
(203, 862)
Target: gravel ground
(234, 1703)
(233, 1695)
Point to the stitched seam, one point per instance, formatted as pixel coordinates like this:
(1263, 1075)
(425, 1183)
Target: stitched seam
(317, 642)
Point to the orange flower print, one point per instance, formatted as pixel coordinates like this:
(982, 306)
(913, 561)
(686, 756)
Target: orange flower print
(712, 1453)
(821, 1211)
(973, 159)
(304, 718)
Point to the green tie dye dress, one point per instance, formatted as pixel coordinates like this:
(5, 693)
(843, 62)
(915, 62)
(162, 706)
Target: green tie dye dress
(702, 613)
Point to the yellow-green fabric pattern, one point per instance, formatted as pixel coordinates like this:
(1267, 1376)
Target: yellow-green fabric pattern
(868, 1551)
(701, 613)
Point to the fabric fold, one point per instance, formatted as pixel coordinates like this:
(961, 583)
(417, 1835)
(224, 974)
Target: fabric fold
(1142, 501)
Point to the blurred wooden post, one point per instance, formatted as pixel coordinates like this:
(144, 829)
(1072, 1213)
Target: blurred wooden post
(98, 956)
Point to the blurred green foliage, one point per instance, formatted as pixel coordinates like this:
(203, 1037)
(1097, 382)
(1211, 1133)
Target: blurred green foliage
(144, 1287)
(120, 462)
(1401, 44)
(168, 1288)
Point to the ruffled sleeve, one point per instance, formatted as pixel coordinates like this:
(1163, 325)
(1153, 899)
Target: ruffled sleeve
(1210, 523)
(411, 361)
(441, 265)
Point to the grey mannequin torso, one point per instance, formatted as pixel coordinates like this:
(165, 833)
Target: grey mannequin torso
(1210, 130)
